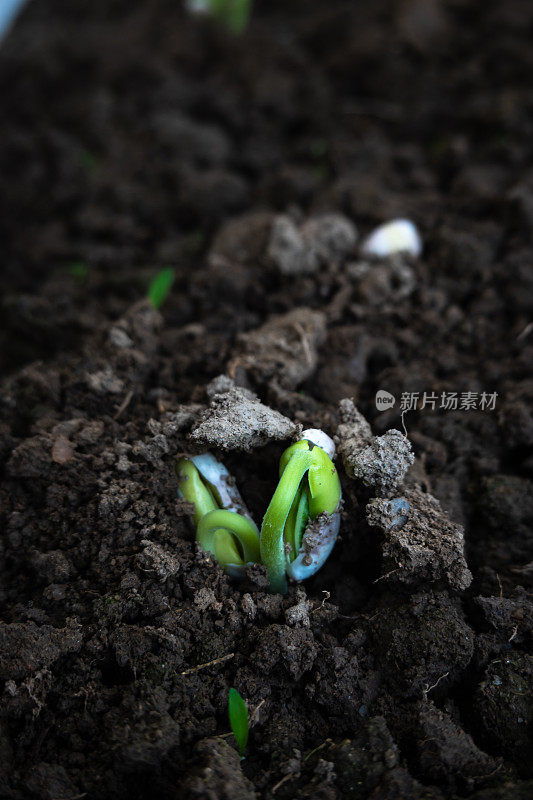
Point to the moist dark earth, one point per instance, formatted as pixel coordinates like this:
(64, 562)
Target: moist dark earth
(135, 137)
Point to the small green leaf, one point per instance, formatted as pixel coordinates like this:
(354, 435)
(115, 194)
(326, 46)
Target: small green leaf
(88, 160)
(160, 286)
(238, 717)
(234, 14)
(78, 270)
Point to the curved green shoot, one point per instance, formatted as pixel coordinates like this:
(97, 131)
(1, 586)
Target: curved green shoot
(238, 718)
(297, 521)
(230, 537)
(161, 286)
(194, 490)
(309, 485)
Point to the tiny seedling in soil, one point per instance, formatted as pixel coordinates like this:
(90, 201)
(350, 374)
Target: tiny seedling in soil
(301, 523)
(224, 526)
(88, 161)
(238, 717)
(161, 286)
(308, 489)
(78, 270)
(233, 14)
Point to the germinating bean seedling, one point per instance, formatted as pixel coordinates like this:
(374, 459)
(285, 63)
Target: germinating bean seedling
(224, 526)
(301, 522)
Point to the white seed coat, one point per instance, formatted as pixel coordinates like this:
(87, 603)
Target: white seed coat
(321, 440)
(216, 474)
(319, 552)
(397, 236)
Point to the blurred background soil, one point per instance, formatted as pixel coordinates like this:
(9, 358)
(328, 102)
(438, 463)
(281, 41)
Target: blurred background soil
(135, 136)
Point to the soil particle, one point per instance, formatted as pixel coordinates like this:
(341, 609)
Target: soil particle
(156, 560)
(425, 638)
(145, 745)
(283, 351)
(287, 249)
(505, 506)
(31, 459)
(361, 762)
(398, 783)
(330, 235)
(292, 649)
(354, 432)
(516, 420)
(369, 765)
(382, 284)
(321, 240)
(104, 381)
(52, 567)
(176, 422)
(62, 450)
(203, 143)
(49, 782)
(508, 791)
(444, 748)
(321, 784)
(211, 194)
(205, 599)
(382, 465)
(270, 605)
(237, 420)
(423, 25)
(27, 647)
(248, 606)
(509, 618)
(141, 323)
(242, 239)
(217, 773)
(503, 708)
(339, 689)
(426, 545)
(298, 614)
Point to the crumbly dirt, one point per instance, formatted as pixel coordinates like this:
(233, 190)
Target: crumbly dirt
(237, 420)
(135, 136)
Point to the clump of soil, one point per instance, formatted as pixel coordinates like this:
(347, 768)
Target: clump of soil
(135, 136)
(237, 420)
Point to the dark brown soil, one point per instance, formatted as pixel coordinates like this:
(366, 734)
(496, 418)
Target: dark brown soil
(133, 137)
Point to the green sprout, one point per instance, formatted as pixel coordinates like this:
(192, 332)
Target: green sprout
(300, 525)
(309, 486)
(234, 14)
(88, 160)
(79, 271)
(223, 526)
(161, 286)
(238, 717)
